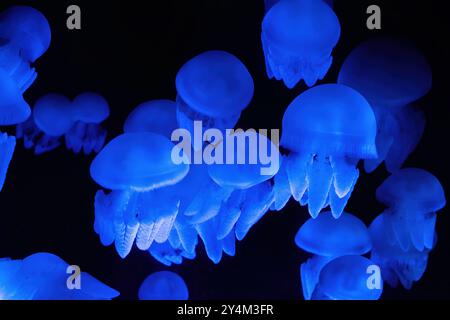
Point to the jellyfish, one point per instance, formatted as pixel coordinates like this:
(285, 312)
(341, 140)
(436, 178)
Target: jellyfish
(346, 278)
(139, 169)
(171, 251)
(326, 131)
(413, 197)
(298, 37)
(163, 285)
(391, 74)
(44, 276)
(268, 4)
(328, 238)
(214, 88)
(397, 265)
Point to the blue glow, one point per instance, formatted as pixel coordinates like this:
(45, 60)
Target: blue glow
(298, 37)
(43, 276)
(164, 285)
(171, 251)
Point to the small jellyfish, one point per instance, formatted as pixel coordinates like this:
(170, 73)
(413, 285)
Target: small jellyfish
(44, 276)
(139, 169)
(346, 278)
(298, 37)
(328, 238)
(391, 74)
(171, 251)
(412, 196)
(163, 285)
(326, 131)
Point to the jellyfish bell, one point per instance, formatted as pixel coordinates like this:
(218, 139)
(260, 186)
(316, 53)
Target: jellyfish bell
(164, 285)
(52, 114)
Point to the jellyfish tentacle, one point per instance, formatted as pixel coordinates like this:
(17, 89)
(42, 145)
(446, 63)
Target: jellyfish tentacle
(281, 188)
(416, 233)
(103, 218)
(320, 179)
(188, 236)
(345, 174)
(207, 232)
(297, 167)
(337, 204)
(429, 231)
(229, 244)
(229, 214)
(126, 226)
(7, 146)
(309, 274)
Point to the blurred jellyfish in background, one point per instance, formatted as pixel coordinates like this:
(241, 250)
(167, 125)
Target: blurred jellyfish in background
(328, 238)
(164, 285)
(345, 278)
(44, 276)
(413, 197)
(391, 74)
(326, 131)
(138, 168)
(298, 37)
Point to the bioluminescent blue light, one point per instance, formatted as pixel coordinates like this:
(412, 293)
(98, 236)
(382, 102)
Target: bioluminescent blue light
(138, 168)
(164, 285)
(391, 73)
(412, 196)
(44, 276)
(298, 37)
(326, 130)
(346, 278)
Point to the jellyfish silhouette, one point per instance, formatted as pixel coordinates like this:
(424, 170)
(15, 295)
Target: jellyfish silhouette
(298, 37)
(328, 238)
(164, 285)
(391, 74)
(412, 196)
(171, 251)
(345, 278)
(326, 131)
(397, 265)
(138, 168)
(44, 276)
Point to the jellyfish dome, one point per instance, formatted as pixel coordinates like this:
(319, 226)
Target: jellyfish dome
(413, 197)
(44, 276)
(164, 285)
(326, 131)
(298, 37)
(345, 278)
(138, 168)
(391, 73)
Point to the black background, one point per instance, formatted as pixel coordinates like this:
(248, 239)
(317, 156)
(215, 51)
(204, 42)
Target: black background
(130, 51)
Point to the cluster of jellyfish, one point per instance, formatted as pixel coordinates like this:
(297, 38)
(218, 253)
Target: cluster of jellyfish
(152, 203)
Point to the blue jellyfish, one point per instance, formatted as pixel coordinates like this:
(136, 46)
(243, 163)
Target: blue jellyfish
(391, 74)
(326, 130)
(328, 238)
(139, 169)
(214, 88)
(397, 265)
(163, 285)
(412, 196)
(268, 4)
(298, 37)
(171, 251)
(44, 276)
(346, 278)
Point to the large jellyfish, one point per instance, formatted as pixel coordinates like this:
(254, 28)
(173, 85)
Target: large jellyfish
(327, 238)
(397, 265)
(44, 276)
(164, 285)
(346, 278)
(326, 131)
(391, 74)
(412, 196)
(298, 37)
(139, 169)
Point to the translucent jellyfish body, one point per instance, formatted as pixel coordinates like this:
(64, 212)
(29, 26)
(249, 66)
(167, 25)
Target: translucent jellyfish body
(171, 251)
(298, 37)
(412, 196)
(326, 131)
(391, 74)
(44, 276)
(328, 238)
(138, 168)
(164, 285)
(346, 278)
(213, 87)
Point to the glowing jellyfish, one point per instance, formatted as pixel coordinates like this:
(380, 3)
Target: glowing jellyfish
(346, 278)
(298, 37)
(213, 87)
(164, 285)
(138, 167)
(44, 276)
(412, 196)
(268, 4)
(328, 238)
(171, 251)
(391, 74)
(326, 130)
